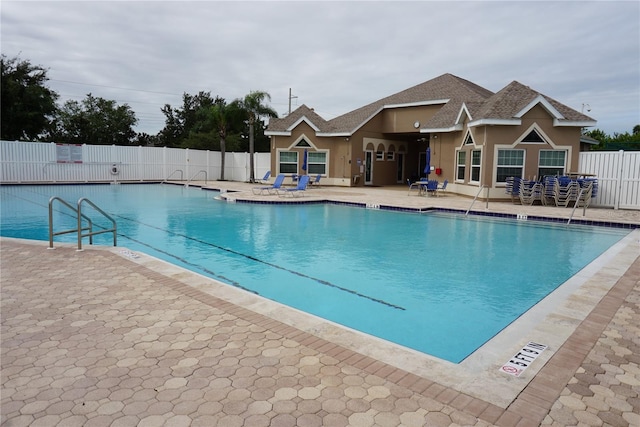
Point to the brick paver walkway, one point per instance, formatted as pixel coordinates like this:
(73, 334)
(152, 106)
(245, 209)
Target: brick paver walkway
(92, 339)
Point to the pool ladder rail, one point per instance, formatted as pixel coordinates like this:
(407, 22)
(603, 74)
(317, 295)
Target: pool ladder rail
(482, 187)
(196, 174)
(86, 231)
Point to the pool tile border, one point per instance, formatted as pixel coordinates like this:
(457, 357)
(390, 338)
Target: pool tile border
(577, 221)
(574, 221)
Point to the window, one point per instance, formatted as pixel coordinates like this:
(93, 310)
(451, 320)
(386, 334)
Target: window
(462, 158)
(510, 163)
(379, 155)
(303, 143)
(317, 162)
(533, 137)
(391, 155)
(288, 162)
(469, 139)
(475, 165)
(551, 162)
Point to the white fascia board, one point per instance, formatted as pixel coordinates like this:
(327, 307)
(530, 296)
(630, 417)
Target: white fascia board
(307, 121)
(330, 134)
(464, 109)
(499, 122)
(384, 107)
(454, 128)
(371, 116)
(276, 133)
(417, 103)
(546, 104)
(582, 124)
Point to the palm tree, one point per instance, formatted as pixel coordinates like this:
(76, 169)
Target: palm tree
(254, 108)
(224, 116)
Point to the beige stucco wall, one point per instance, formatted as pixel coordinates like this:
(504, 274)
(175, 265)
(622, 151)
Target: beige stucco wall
(394, 130)
(399, 120)
(338, 149)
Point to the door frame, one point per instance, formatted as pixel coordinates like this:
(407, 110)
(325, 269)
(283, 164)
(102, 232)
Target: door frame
(368, 167)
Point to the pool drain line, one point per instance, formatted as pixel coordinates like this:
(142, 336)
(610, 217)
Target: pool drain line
(258, 260)
(206, 270)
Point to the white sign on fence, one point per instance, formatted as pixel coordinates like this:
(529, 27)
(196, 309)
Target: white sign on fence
(69, 153)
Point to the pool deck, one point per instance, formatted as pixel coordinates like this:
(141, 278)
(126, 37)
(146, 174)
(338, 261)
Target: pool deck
(109, 337)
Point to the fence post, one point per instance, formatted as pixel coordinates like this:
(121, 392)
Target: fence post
(619, 172)
(140, 170)
(186, 164)
(164, 163)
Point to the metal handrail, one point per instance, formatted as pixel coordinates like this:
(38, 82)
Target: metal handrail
(475, 198)
(75, 230)
(584, 210)
(93, 233)
(196, 174)
(177, 170)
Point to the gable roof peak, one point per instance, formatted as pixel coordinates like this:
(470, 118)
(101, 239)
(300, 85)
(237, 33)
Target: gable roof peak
(302, 113)
(515, 99)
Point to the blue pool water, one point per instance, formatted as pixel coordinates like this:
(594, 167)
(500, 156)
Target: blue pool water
(442, 285)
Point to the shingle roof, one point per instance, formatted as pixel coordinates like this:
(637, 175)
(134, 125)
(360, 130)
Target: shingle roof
(281, 125)
(446, 87)
(451, 91)
(514, 97)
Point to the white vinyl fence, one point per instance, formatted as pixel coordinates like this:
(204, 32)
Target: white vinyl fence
(618, 174)
(49, 162)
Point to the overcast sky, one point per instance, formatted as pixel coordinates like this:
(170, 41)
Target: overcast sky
(335, 56)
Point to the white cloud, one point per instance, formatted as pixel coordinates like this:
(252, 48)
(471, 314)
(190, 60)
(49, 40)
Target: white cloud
(335, 56)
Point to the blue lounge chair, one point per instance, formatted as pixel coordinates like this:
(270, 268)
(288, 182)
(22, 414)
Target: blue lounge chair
(316, 182)
(265, 178)
(299, 189)
(271, 189)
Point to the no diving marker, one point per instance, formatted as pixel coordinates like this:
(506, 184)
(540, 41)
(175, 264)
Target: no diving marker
(521, 361)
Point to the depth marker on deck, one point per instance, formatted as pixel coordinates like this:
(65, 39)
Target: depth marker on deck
(521, 361)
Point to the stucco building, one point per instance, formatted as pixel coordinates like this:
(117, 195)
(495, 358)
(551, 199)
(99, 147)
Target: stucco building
(477, 138)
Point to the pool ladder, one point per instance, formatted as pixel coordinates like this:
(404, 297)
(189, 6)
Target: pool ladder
(196, 174)
(584, 206)
(88, 229)
(476, 198)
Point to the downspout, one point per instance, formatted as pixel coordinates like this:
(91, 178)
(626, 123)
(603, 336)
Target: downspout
(484, 162)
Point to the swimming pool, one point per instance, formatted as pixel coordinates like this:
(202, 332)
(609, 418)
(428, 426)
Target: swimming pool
(442, 285)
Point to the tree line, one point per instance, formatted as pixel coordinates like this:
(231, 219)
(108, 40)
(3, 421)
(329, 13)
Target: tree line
(618, 141)
(30, 112)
